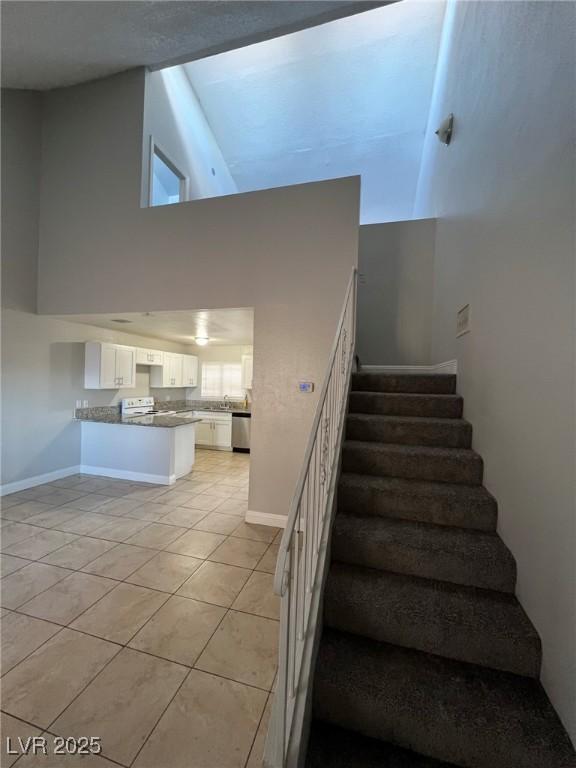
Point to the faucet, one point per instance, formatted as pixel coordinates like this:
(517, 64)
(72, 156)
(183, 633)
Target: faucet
(226, 402)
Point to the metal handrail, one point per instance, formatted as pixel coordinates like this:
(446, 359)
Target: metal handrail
(301, 562)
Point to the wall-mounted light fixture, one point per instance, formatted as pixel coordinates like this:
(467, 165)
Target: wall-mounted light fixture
(201, 340)
(446, 129)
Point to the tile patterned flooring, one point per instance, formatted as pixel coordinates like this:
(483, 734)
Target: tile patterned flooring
(141, 614)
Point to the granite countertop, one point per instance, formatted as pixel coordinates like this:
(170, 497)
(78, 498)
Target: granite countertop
(171, 413)
(151, 420)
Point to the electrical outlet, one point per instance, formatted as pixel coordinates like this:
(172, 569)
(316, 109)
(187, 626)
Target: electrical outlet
(78, 403)
(463, 320)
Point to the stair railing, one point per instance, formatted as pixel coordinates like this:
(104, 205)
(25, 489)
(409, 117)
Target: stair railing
(301, 565)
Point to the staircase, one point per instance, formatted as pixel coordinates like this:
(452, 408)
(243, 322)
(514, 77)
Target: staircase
(427, 659)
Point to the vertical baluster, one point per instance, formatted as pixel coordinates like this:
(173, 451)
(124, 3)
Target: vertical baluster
(303, 558)
(293, 644)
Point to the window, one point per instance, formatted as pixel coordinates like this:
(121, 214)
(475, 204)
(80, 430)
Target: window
(219, 379)
(168, 184)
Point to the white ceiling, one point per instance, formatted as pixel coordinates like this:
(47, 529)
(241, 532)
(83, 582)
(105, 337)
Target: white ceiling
(52, 43)
(222, 326)
(345, 98)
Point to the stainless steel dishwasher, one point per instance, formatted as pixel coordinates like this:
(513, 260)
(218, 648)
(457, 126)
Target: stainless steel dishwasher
(241, 432)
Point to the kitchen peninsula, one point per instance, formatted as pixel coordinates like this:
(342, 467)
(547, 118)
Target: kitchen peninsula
(151, 447)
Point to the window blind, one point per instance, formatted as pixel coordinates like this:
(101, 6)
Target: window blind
(219, 379)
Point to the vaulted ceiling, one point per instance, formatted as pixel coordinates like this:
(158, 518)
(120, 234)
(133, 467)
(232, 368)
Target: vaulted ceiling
(349, 97)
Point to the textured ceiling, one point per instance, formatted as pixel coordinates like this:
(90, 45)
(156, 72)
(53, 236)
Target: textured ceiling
(222, 326)
(54, 43)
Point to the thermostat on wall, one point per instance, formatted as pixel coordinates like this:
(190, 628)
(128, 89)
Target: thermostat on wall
(306, 386)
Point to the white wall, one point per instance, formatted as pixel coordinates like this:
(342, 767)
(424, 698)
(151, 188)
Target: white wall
(42, 377)
(345, 98)
(221, 353)
(286, 252)
(176, 121)
(20, 197)
(504, 194)
(395, 292)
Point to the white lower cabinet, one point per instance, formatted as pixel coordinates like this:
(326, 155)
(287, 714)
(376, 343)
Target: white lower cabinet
(109, 366)
(215, 430)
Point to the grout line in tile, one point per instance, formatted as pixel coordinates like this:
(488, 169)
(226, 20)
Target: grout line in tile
(258, 727)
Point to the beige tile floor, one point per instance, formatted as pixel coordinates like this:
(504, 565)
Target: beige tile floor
(140, 614)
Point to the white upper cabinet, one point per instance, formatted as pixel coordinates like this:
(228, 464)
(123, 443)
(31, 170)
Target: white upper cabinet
(169, 374)
(109, 366)
(247, 366)
(176, 371)
(189, 371)
(149, 356)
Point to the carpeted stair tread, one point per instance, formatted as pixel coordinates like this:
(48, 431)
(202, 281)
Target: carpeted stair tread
(333, 747)
(409, 430)
(463, 506)
(414, 462)
(405, 383)
(478, 626)
(448, 710)
(456, 555)
(405, 404)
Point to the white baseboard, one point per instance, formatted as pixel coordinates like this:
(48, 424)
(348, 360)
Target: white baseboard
(121, 474)
(450, 366)
(265, 518)
(32, 482)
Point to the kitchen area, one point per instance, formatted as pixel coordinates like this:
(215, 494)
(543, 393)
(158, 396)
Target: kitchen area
(166, 404)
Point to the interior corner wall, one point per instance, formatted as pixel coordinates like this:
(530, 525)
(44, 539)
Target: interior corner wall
(286, 252)
(175, 120)
(395, 292)
(503, 193)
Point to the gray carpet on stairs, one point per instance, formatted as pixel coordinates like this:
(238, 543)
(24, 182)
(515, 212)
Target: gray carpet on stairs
(427, 659)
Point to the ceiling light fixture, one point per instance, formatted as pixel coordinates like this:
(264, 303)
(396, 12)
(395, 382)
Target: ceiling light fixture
(201, 340)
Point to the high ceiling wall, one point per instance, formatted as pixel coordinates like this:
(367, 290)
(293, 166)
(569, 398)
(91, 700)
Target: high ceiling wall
(346, 98)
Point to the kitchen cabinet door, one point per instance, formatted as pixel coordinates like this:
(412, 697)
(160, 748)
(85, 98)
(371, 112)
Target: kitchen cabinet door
(108, 375)
(203, 433)
(126, 367)
(222, 434)
(175, 368)
(189, 371)
(149, 356)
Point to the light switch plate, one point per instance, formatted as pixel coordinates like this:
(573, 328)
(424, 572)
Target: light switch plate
(463, 320)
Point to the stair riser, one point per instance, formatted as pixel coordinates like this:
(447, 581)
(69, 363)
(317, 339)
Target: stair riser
(382, 621)
(412, 405)
(442, 435)
(480, 516)
(440, 565)
(443, 469)
(430, 385)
